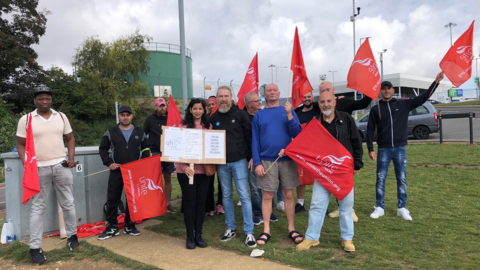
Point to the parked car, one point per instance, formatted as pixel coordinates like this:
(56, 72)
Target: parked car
(433, 101)
(421, 122)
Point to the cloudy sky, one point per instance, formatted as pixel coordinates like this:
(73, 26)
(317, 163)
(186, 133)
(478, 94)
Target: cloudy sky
(224, 35)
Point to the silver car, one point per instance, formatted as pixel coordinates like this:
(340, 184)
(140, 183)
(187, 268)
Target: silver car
(421, 122)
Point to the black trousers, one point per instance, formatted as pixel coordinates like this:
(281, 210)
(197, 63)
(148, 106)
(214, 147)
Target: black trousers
(210, 206)
(193, 200)
(114, 198)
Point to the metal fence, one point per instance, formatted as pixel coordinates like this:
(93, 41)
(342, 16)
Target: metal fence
(166, 47)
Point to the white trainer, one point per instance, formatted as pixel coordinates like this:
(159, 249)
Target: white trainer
(378, 212)
(404, 213)
(281, 206)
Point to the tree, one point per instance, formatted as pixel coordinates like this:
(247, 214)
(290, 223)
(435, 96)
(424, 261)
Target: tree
(21, 26)
(110, 71)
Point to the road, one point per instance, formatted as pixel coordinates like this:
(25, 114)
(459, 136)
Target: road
(449, 110)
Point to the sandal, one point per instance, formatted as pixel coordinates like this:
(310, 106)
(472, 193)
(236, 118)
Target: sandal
(299, 235)
(265, 240)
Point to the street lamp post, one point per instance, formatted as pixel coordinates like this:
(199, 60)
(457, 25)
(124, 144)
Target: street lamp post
(450, 25)
(276, 74)
(333, 77)
(352, 19)
(363, 38)
(381, 63)
(218, 85)
(272, 66)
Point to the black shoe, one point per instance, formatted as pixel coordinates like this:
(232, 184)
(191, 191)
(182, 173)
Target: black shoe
(190, 243)
(110, 231)
(199, 241)
(37, 256)
(299, 208)
(72, 242)
(273, 218)
(131, 230)
(228, 235)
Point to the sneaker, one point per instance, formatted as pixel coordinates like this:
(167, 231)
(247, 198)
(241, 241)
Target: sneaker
(210, 213)
(131, 230)
(273, 218)
(348, 246)
(354, 216)
(72, 242)
(239, 203)
(109, 232)
(378, 212)
(335, 213)
(299, 208)
(250, 241)
(228, 235)
(220, 210)
(37, 256)
(199, 242)
(404, 213)
(257, 221)
(171, 210)
(281, 206)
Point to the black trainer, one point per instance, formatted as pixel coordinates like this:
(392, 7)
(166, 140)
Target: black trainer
(199, 241)
(131, 230)
(72, 242)
(110, 231)
(299, 208)
(228, 235)
(190, 243)
(37, 256)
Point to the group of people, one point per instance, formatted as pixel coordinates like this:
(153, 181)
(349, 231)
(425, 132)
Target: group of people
(255, 162)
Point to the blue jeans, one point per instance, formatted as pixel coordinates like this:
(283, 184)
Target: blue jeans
(316, 215)
(257, 197)
(399, 157)
(239, 171)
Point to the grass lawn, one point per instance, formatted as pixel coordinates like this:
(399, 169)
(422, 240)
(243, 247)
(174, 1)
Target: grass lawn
(466, 103)
(443, 195)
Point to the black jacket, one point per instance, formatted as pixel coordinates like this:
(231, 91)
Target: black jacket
(121, 151)
(153, 128)
(238, 129)
(348, 136)
(349, 105)
(392, 126)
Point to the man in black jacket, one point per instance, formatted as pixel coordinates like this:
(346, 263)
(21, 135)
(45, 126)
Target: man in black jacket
(126, 143)
(238, 129)
(342, 127)
(153, 129)
(390, 118)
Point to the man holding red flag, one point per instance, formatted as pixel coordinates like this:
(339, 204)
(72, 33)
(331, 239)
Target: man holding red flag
(300, 83)
(48, 127)
(340, 126)
(121, 144)
(390, 118)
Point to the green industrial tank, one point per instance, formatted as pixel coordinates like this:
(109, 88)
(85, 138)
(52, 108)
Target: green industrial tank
(166, 70)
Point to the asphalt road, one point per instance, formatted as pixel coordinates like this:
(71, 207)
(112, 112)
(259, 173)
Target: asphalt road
(449, 110)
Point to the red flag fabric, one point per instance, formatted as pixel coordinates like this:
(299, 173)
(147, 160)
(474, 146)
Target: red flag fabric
(305, 179)
(300, 83)
(173, 118)
(31, 182)
(324, 158)
(214, 109)
(457, 63)
(363, 75)
(250, 83)
(144, 188)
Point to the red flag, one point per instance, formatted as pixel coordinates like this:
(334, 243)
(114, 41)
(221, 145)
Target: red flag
(250, 83)
(305, 178)
(457, 63)
(214, 109)
(326, 160)
(300, 83)
(144, 188)
(31, 182)
(174, 118)
(363, 75)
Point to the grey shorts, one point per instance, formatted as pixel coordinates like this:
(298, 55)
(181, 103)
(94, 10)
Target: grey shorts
(283, 171)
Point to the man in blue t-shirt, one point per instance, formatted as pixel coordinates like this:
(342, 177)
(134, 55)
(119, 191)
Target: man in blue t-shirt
(272, 130)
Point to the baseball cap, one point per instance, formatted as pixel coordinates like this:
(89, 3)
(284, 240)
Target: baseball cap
(386, 83)
(42, 89)
(124, 108)
(160, 101)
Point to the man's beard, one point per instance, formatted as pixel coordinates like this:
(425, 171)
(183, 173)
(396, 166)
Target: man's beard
(223, 108)
(308, 106)
(327, 112)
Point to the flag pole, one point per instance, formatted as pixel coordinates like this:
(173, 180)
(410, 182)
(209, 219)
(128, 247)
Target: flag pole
(289, 81)
(272, 164)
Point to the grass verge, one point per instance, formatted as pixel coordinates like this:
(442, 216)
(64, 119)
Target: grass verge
(466, 103)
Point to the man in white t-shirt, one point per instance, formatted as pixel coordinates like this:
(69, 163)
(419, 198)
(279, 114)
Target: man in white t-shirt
(49, 127)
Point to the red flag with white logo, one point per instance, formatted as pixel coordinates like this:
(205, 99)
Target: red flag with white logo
(300, 83)
(363, 75)
(305, 178)
(321, 156)
(457, 63)
(31, 181)
(173, 118)
(144, 188)
(250, 83)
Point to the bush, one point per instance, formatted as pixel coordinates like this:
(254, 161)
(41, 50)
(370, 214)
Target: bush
(8, 128)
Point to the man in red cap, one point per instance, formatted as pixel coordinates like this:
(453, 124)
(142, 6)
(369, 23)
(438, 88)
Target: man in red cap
(153, 129)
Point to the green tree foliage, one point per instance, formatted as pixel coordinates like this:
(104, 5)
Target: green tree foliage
(8, 128)
(21, 26)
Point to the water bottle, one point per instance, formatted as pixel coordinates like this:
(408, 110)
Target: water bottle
(15, 149)
(5, 232)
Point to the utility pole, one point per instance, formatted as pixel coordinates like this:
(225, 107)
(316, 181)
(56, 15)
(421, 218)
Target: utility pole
(333, 77)
(381, 63)
(352, 19)
(183, 60)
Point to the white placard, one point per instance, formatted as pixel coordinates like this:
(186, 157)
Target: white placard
(79, 168)
(214, 143)
(173, 143)
(193, 147)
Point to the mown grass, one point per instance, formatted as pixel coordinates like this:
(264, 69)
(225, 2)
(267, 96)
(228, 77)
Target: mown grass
(444, 232)
(465, 103)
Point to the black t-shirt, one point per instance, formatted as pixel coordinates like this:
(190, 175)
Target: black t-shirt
(305, 117)
(330, 127)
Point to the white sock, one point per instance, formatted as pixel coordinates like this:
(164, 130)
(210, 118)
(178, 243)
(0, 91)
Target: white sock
(300, 201)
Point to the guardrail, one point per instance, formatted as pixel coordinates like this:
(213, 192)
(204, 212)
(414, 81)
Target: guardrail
(166, 47)
(469, 115)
